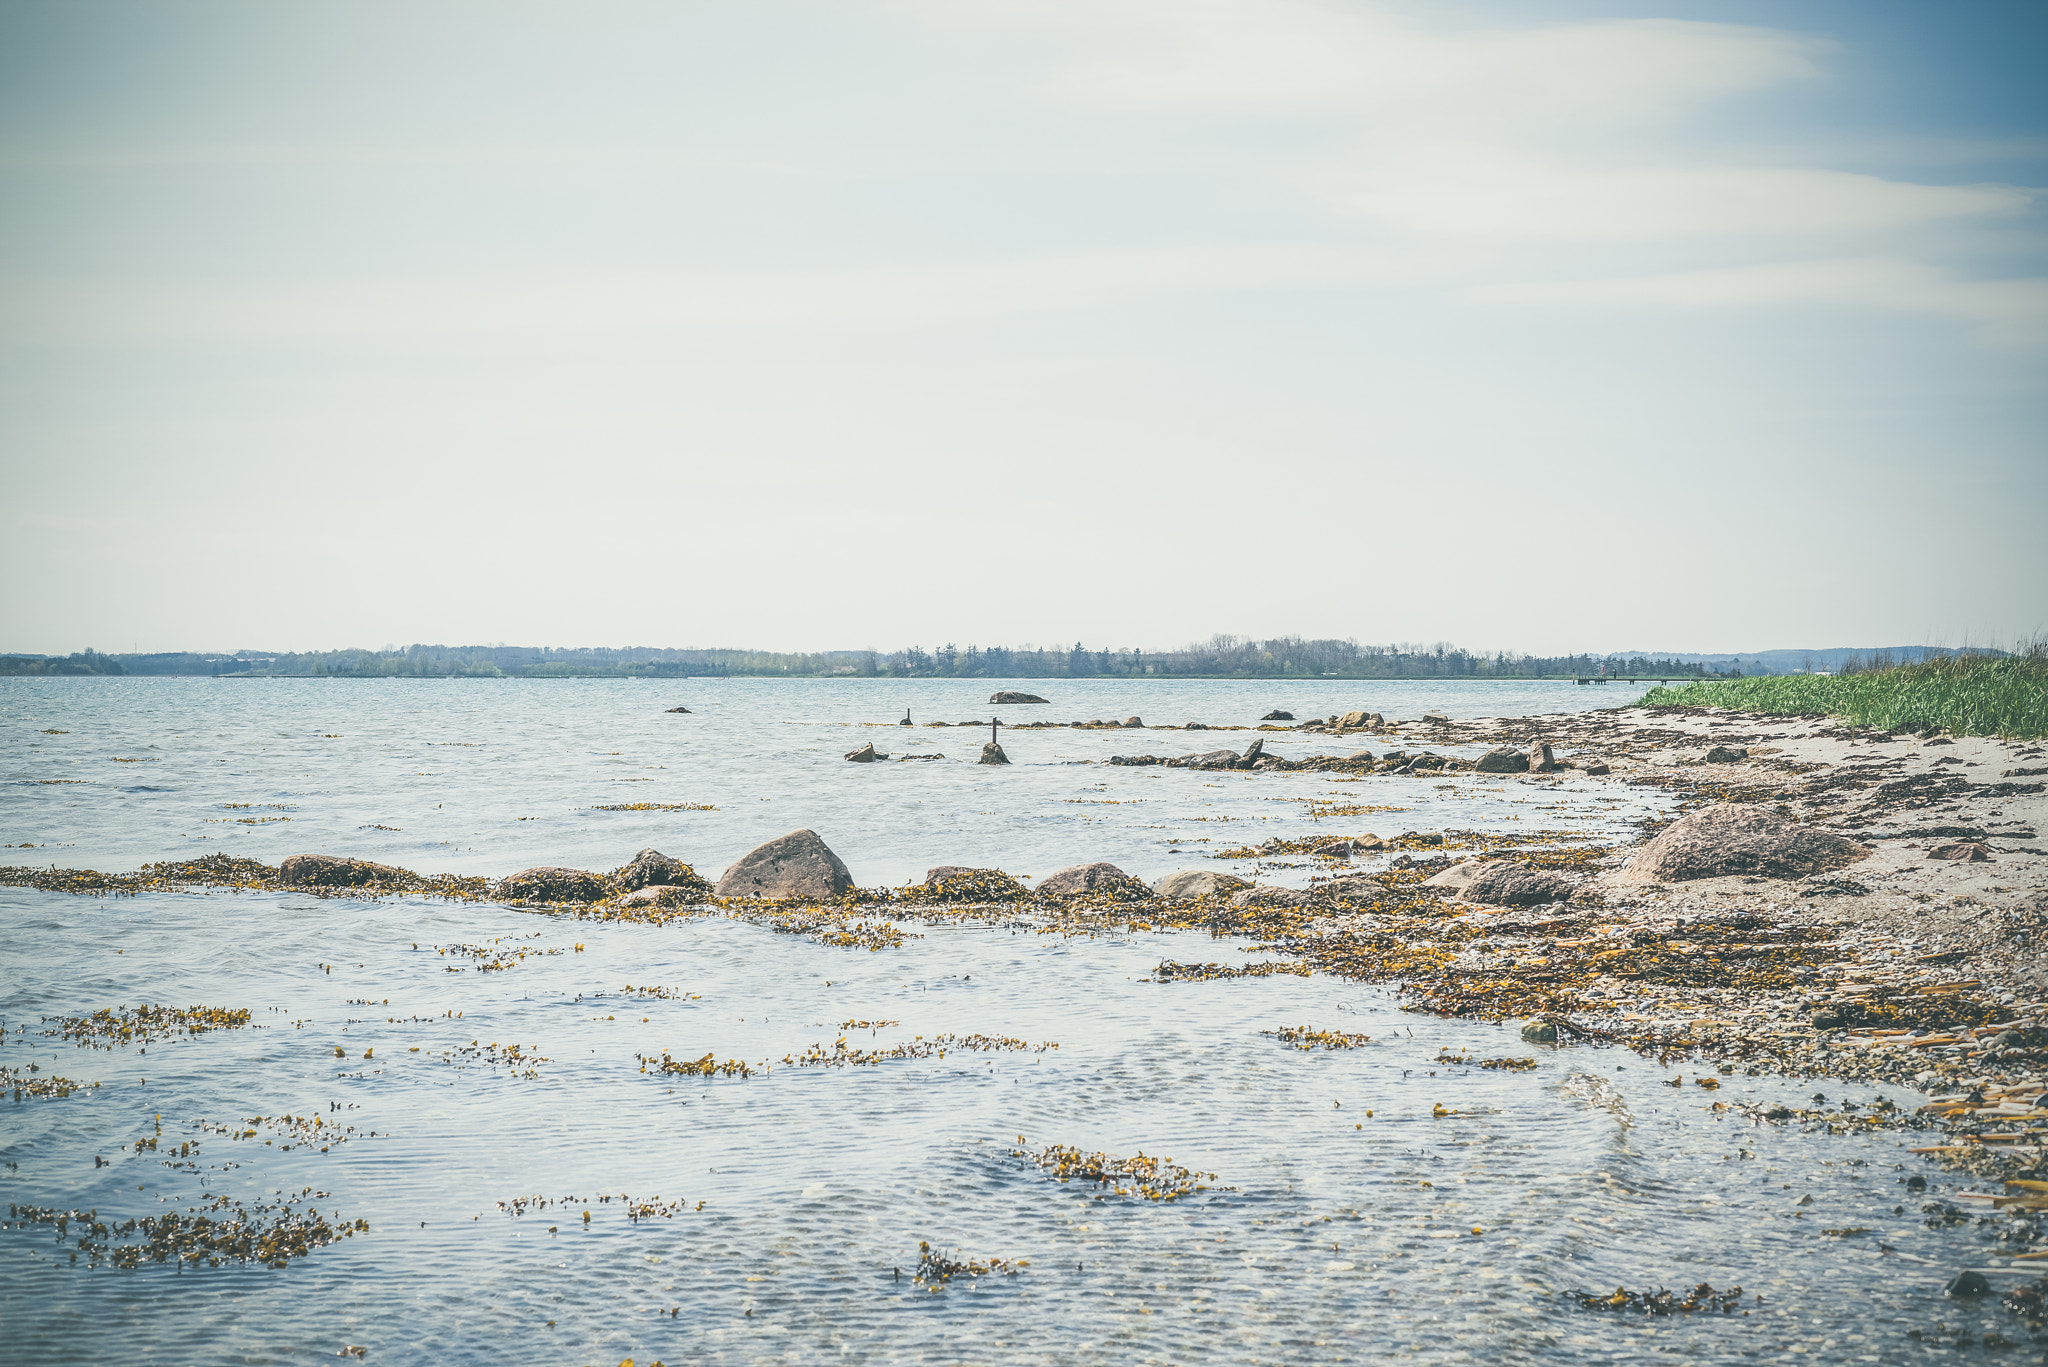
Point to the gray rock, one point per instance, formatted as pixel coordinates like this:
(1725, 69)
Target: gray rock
(945, 871)
(1356, 888)
(1732, 838)
(1454, 878)
(332, 871)
(1208, 759)
(1197, 883)
(1093, 880)
(1251, 753)
(1502, 883)
(795, 865)
(1265, 895)
(865, 755)
(1541, 760)
(1540, 1032)
(1595, 766)
(992, 753)
(1351, 721)
(651, 868)
(1436, 718)
(1727, 754)
(1362, 756)
(1277, 715)
(679, 709)
(551, 884)
(1503, 760)
(1424, 762)
(1134, 722)
(1016, 698)
(1970, 1283)
(665, 895)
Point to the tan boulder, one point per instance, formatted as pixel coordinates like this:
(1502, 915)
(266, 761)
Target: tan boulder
(1733, 838)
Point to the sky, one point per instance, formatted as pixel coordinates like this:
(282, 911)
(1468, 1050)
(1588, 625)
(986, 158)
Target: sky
(1530, 326)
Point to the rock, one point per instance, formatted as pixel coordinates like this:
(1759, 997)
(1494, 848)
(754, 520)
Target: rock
(1017, 698)
(865, 755)
(1267, 896)
(1454, 878)
(1208, 759)
(1352, 720)
(1197, 883)
(1360, 756)
(1277, 715)
(1594, 766)
(1541, 760)
(958, 883)
(1501, 883)
(1731, 838)
(1540, 1032)
(1436, 719)
(1969, 851)
(906, 718)
(1727, 754)
(795, 865)
(1093, 880)
(549, 884)
(332, 871)
(1971, 1283)
(992, 753)
(679, 709)
(1135, 723)
(1356, 888)
(1503, 760)
(1195, 726)
(665, 895)
(1251, 754)
(651, 868)
(1424, 762)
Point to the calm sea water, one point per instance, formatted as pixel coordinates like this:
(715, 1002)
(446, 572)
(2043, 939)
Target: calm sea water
(1332, 1235)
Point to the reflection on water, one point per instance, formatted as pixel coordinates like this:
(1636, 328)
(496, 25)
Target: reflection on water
(1368, 1202)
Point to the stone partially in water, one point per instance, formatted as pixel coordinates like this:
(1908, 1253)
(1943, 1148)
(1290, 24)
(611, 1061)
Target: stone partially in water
(1277, 715)
(1503, 760)
(1093, 880)
(1017, 698)
(1197, 883)
(795, 865)
(332, 871)
(992, 753)
(651, 868)
(1540, 1032)
(1134, 722)
(864, 755)
(1541, 760)
(550, 884)
(1731, 838)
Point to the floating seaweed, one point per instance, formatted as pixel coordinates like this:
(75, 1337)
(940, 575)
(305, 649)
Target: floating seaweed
(935, 1269)
(708, 1066)
(938, 1046)
(1170, 971)
(271, 1233)
(1660, 1302)
(114, 1026)
(655, 807)
(31, 1083)
(1155, 1179)
(1309, 1040)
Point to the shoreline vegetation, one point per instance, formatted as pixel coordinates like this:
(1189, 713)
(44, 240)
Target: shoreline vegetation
(1221, 657)
(1966, 694)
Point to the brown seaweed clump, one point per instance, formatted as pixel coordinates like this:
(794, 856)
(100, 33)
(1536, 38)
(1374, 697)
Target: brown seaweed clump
(1660, 1302)
(1154, 1179)
(1308, 1040)
(112, 1027)
(935, 1269)
(32, 1083)
(220, 1231)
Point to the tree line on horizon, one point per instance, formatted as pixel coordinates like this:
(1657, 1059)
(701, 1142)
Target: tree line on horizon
(1222, 656)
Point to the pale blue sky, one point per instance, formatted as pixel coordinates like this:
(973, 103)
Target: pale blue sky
(1545, 327)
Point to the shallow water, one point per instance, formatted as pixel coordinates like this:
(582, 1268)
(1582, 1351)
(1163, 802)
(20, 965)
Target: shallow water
(1331, 1235)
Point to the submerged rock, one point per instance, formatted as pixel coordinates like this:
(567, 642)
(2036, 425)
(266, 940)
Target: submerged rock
(795, 865)
(551, 884)
(652, 868)
(1730, 838)
(1503, 760)
(1540, 1032)
(332, 871)
(1197, 883)
(1093, 880)
(992, 753)
(1277, 715)
(1018, 698)
(679, 709)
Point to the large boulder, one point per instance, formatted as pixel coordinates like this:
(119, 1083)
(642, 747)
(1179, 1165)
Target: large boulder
(1503, 760)
(865, 755)
(1541, 759)
(1135, 723)
(332, 871)
(795, 865)
(652, 868)
(1353, 720)
(551, 884)
(1197, 883)
(1251, 753)
(1731, 838)
(1454, 879)
(992, 753)
(1093, 880)
(1208, 759)
(1016, 698)
(1504, 883)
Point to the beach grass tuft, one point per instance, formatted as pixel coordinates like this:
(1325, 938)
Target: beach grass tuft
(1965, 694)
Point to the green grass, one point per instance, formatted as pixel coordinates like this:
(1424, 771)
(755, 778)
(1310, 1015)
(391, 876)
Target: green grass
(1966, 695)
